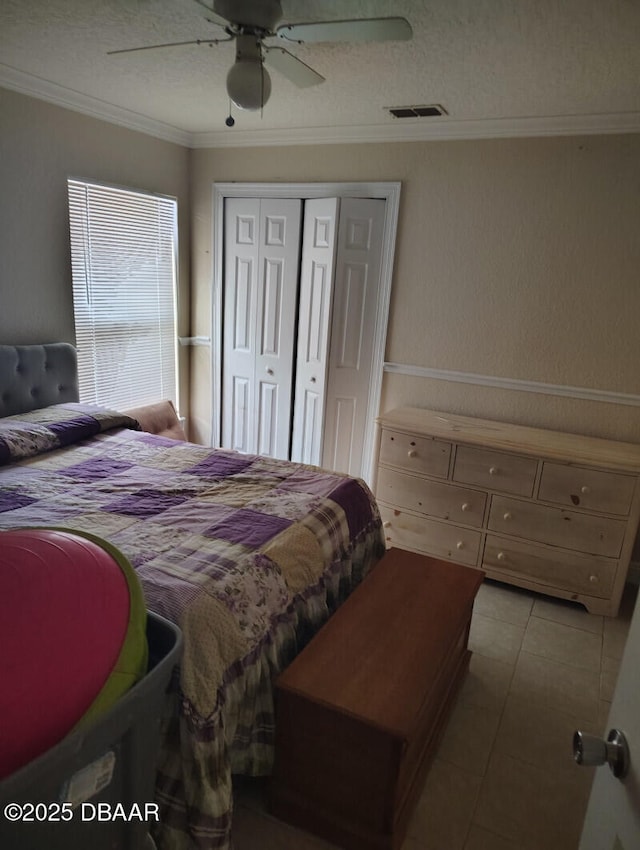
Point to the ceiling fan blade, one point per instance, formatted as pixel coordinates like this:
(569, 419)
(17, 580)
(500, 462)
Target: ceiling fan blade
(209, 41)
(291, 67)
(365, 29)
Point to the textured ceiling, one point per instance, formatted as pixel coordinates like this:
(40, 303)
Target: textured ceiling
(481, 59)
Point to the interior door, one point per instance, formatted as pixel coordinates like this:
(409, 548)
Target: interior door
(262, 245)
(612, 821)
(356, 290)
(316, 289)
(242, 228)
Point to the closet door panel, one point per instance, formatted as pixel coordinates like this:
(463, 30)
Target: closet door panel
(242, 227)
(316, 285)
(350, 317)
(268, 419)
(356, 288)
(241, 425)
(280, 222)
(343, 418)
(262, 245)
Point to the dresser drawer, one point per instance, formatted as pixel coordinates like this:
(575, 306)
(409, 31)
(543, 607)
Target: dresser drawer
(592, 489)
(564, 506)
(554, 567)
(404, 530)
(582, 532)
(495, 470)
(416, 454)
(439, 500)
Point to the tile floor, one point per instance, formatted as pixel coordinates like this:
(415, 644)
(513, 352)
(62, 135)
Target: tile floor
(503, 777)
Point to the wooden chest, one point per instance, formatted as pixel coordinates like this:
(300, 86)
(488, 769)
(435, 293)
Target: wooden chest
(361, 709)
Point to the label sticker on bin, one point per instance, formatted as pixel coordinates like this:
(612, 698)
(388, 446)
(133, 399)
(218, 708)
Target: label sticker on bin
(89, 781)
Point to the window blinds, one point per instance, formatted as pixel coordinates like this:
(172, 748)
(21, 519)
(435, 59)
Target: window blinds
(124, 270)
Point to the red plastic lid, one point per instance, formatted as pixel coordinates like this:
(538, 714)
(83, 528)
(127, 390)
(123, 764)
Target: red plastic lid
(64, 611)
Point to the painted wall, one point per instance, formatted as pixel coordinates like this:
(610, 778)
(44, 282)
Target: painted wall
(516, 258)
(40, 146)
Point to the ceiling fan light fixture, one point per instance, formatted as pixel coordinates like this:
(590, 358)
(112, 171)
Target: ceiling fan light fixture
(248, 81)
(253, 23)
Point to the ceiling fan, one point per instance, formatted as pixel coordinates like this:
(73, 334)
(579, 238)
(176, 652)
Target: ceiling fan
(255, 27)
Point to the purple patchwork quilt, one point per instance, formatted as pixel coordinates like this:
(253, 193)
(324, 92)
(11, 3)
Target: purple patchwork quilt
(248, 555)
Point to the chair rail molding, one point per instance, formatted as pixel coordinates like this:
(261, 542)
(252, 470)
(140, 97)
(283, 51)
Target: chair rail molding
(516, 384)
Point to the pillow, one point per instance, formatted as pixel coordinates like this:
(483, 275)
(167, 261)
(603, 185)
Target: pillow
(73, 636)
(30, 434)
(160, 418)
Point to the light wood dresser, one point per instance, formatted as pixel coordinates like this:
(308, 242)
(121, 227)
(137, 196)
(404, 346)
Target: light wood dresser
(554, 512)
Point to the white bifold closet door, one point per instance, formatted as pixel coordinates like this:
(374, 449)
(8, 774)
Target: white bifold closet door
(298, 350)
(262, 247)
(319, 244)
(355, 297)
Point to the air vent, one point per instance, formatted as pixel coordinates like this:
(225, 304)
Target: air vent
(417, 111)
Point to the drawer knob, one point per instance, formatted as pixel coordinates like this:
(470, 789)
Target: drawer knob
(594, 579)
(465, 506)
(502, 556)
(460, 544)
(386, 523)
(493, 470)
(412, 453)
(507, 515)
(585, 489)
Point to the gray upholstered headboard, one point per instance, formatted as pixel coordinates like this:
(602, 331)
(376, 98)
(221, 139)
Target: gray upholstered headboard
(33, 376)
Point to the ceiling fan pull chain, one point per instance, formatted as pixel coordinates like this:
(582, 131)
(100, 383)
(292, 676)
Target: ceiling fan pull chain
(229, 120)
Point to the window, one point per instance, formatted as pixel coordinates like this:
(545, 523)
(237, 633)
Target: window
(124, 269)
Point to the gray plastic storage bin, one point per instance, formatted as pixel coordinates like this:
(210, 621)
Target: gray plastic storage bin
(67, 798)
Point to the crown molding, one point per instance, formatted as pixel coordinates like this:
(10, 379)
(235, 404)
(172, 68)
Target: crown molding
(394, 130)
(417, 130)
(42, 89)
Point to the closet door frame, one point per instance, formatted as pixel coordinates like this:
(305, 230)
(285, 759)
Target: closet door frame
(387, 191)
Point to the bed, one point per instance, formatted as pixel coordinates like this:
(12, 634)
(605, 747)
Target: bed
(248, 555)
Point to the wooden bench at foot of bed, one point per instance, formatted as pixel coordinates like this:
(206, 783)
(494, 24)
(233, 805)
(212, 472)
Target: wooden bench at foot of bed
(360, 711)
